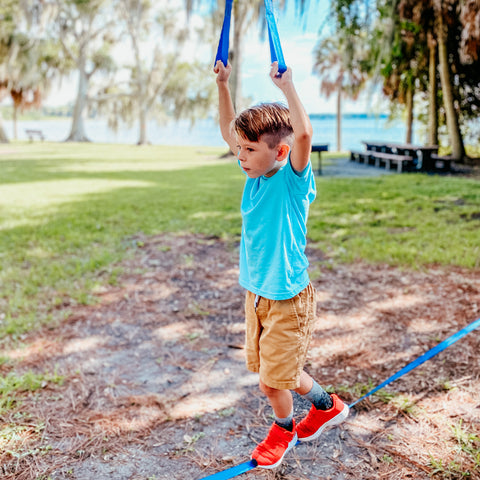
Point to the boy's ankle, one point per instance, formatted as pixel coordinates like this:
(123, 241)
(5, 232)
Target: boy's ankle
(289, 426)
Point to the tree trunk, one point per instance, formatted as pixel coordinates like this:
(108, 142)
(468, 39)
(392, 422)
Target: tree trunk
(240, 12)
(432, 138)
(409, 105)
(15, 129)
(458, 149)
(339, 119)
(142, 132)
(3, 135)
(141, 86)
(77, 132)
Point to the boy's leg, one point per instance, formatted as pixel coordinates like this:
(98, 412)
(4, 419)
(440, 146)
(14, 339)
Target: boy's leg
(313, 392)
(282, 435)
(327, 410)
(281, 402)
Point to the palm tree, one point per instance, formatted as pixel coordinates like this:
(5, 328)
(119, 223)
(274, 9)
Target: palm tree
(337, 61)
(405, 66)
(441, 10)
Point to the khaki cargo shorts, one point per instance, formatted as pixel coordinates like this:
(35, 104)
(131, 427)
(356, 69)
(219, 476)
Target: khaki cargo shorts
(278, 333)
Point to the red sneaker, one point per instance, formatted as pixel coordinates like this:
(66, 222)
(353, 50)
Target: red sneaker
(270, 452)
(314, 423)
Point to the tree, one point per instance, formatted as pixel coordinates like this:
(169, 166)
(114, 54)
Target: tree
(459, 78)
(450, 28)
(160, 85)
(338, 62)
(86, 31)
(470, 36)
(458, 150)
(9, 19)
(405, 65)
(28, 59)
(31, 70)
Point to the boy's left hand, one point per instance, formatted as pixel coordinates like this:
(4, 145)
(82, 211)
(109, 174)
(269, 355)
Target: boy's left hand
(280, 79)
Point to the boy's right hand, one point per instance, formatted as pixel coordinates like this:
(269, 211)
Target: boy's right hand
(222, 71)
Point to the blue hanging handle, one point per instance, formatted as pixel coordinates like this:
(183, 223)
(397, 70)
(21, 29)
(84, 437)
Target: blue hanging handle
(222, 50)
(276, 52)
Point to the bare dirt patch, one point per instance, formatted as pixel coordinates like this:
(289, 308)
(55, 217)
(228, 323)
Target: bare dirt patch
(156, 388)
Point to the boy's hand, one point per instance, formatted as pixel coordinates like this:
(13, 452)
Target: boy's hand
(281, 80)
(223, 72)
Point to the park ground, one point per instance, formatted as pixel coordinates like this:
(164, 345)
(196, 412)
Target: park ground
(147, 380)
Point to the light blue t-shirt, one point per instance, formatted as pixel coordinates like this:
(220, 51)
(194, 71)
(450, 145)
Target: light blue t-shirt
(274, 210)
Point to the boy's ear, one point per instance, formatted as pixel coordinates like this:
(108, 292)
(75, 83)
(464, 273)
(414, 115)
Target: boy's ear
(282, 151)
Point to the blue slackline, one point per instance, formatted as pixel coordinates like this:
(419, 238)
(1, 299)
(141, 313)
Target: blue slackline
(426, 356)
(276, 53)
(222, 50)
(250, 465)
(233, 471)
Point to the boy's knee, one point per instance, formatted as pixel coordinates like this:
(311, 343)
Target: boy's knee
(268, 391)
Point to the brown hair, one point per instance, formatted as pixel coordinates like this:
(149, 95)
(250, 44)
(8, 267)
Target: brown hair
(269, 122)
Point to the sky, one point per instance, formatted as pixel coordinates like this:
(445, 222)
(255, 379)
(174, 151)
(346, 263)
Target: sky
(298, 38)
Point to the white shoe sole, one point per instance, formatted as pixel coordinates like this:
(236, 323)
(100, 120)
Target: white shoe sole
(291, 444)
(337, 419)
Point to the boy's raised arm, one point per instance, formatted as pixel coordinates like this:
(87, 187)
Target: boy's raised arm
(225, 104)
(302, 128)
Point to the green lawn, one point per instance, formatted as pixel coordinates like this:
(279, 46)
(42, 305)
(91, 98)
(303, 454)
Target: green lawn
(70, 212)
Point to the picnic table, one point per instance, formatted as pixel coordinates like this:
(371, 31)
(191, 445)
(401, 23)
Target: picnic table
(404, 155)
(320, 148)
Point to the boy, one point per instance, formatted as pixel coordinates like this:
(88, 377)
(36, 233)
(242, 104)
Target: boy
(274, 146)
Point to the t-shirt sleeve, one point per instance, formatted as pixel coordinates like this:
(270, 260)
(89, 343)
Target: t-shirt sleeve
(301, 183)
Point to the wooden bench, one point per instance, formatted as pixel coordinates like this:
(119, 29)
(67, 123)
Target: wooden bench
(378, 158)
(389, 158)
(357, 156)
(445, 162)
(320, 149)
(35, 133)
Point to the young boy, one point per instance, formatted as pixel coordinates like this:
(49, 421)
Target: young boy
(273, 145)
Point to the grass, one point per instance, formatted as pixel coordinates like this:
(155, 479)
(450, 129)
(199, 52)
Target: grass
(12, 384)
(69, 213)
(465, 462)
(407, 219)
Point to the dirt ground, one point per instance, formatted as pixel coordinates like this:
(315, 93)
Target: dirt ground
(156, 388)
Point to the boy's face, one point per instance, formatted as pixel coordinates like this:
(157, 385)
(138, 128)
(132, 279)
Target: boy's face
(257, 158)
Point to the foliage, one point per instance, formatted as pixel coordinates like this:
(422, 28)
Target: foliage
(400, 36)
(160, 83)
(87, 32)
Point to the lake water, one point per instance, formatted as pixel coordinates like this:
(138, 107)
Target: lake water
(206, 132)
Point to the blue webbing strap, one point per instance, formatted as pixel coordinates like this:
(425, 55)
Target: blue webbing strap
(276, 53)
(222, 50)
(250, 465)
(426, 356)
(233, 471)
